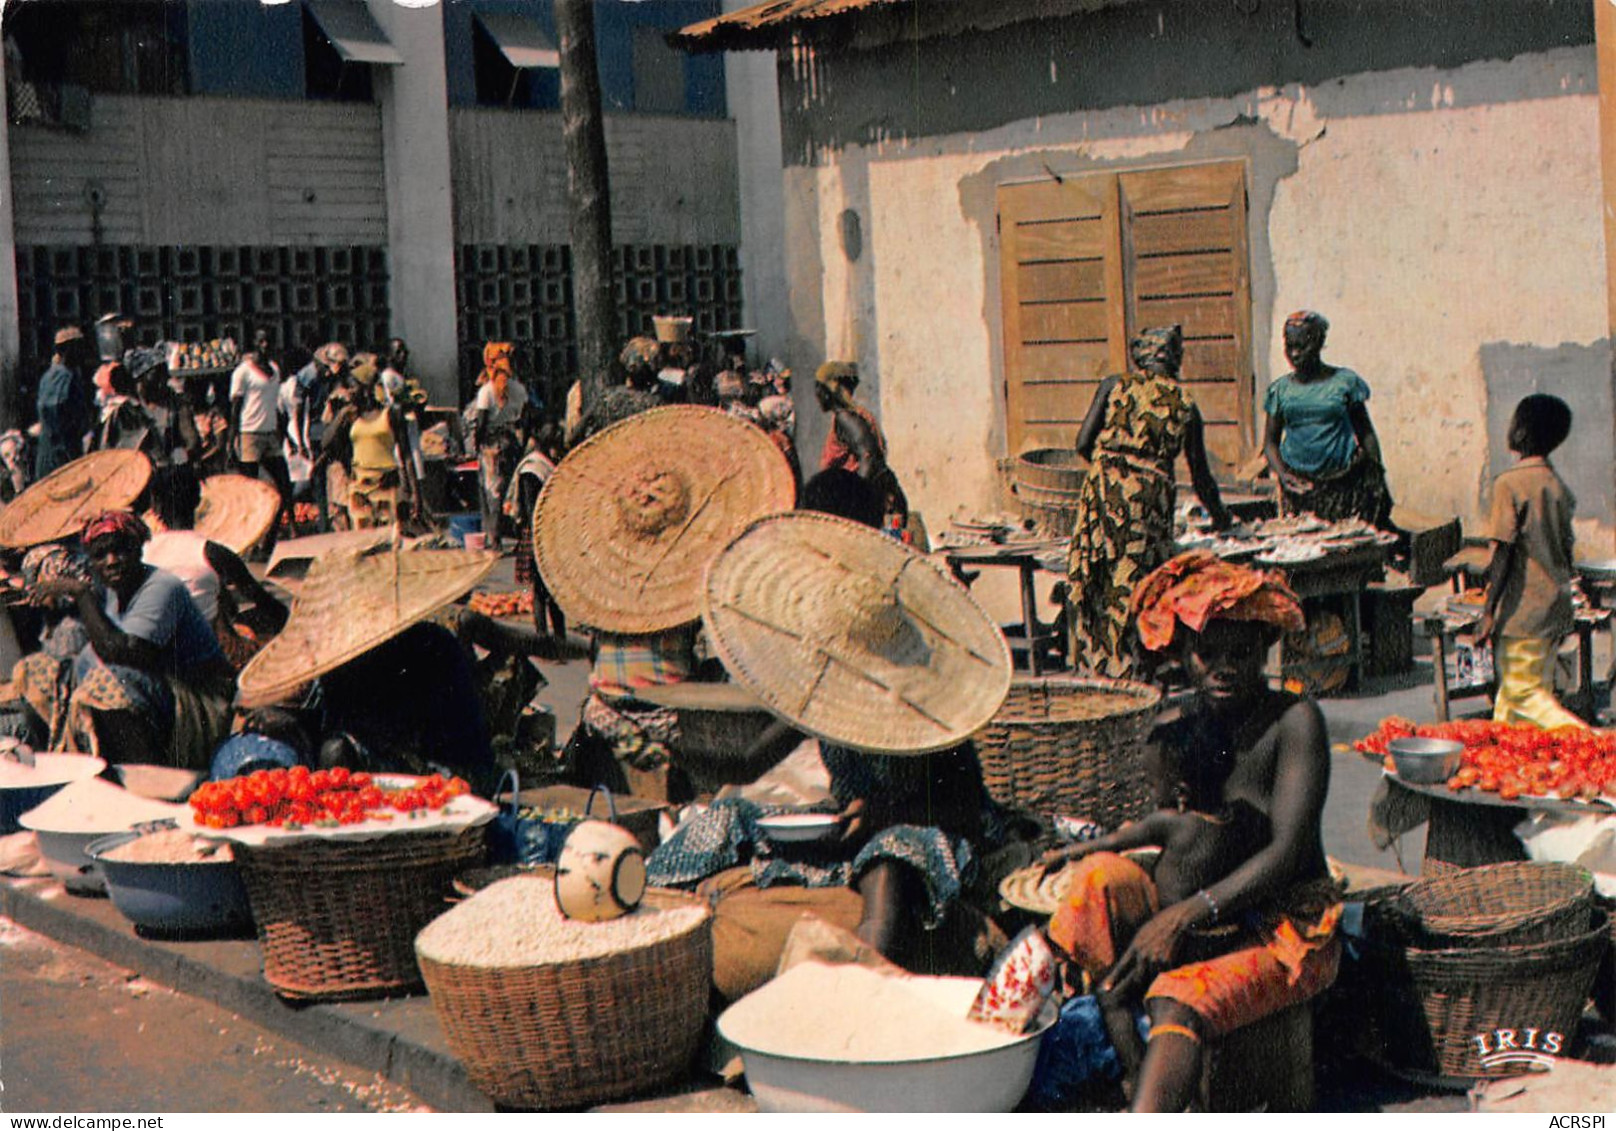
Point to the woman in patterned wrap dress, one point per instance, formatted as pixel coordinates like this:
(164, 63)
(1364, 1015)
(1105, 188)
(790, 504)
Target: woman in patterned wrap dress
(1135, 428)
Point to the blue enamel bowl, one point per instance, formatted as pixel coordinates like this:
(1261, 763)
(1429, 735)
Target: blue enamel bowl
(201, 898)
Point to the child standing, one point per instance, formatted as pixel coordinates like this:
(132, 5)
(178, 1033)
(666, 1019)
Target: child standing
(1529, 580)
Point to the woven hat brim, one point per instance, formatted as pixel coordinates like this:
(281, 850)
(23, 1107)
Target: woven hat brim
(236, 511)
(774, 597)
(598, 569)
(59, 505)
(350, 603)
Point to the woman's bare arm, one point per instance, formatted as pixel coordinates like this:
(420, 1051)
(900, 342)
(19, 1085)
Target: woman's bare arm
(1089, 432)
(1206, 485)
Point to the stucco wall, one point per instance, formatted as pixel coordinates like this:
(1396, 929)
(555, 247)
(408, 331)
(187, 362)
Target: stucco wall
(1434, 215)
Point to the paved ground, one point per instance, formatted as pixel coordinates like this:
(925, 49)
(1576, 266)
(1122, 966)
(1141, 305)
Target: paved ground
(83, 1035)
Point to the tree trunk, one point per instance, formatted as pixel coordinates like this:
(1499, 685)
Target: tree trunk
(588, 193)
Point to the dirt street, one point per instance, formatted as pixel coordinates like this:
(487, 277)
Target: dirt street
(79, 1035)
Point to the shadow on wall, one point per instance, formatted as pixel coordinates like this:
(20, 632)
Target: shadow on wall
(1582, 377)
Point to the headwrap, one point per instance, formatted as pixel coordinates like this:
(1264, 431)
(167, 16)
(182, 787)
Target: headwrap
(332, 355)
(68, 334)
(1198, 586)
(363, 368)
(497, 359)
(836, 375)
(1147, 346)
(1310, 321)
(121, 524)
(44, 564)
(639, 354)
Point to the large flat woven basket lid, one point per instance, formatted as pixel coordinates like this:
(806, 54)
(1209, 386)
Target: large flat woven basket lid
(60, 504)
(629, 521)
(854, 637)
(236, 511)
(352, 602)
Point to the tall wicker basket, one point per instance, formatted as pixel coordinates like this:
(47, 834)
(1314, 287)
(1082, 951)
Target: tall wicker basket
(1511, 904)
(1064, 745)
(1438, 1011)
(588, 1031)
(337, 919)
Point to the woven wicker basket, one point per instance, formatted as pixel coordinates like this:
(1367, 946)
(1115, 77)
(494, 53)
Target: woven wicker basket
(575, 1033)
(1513, 904)
(1063, 745)
(337, 919)
(1432, 1005)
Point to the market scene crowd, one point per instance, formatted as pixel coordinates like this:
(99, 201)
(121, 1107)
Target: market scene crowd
(817, 804)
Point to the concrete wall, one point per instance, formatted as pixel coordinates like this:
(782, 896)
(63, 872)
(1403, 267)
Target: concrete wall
(673, 178)
(1446, 218)
(204, 171)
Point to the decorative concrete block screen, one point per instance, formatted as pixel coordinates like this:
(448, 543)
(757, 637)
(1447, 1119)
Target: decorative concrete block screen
(522, 293)
(303, 296)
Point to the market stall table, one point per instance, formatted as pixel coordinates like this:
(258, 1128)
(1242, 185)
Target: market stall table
(1457, 618)
(1032, 636)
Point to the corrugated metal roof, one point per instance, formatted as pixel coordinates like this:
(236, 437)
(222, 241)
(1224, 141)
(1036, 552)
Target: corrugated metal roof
(771, 24)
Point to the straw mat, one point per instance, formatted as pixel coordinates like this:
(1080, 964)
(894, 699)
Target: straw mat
(631, 518)
(853, 637)
(236, 511)
(60, 504)
(351, 602)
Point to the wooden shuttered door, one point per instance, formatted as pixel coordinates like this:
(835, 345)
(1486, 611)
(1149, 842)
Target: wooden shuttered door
(1088, 262)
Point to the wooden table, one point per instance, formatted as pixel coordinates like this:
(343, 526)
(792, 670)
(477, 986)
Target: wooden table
(1468, 828)
(1344, 574)
(1032, 634)
(1441, 629)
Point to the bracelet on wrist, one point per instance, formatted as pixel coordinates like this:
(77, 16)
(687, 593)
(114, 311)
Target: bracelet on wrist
(1211, 903)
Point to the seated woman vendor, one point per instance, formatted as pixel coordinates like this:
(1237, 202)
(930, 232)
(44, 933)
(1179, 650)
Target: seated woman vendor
(153, 684)
(1145, 937)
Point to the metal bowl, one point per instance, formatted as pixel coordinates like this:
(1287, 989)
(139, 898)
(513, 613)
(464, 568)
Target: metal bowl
(1598, 571)
(202, 897)
(800, 828)
(24, 788)
(1425, 761)
(992, 1080)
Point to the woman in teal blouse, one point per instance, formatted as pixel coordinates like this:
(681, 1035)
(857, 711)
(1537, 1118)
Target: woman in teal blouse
(1319, 440)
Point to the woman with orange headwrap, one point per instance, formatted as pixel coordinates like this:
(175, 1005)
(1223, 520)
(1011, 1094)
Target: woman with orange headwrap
(498, 418)
(1280, 902)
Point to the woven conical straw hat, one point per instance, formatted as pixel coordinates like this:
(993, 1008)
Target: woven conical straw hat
(350, 603)
(631, 518)
(60, 504)
(236, 511)
(853, 637)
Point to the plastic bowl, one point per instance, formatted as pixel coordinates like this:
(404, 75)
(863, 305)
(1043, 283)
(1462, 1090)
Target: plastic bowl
(205, 897)
(1425, 761)
(21, 788)
(800, 828)
(992, 1080)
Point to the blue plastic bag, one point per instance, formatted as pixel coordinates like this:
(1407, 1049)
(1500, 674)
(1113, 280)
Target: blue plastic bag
(1075, 1053)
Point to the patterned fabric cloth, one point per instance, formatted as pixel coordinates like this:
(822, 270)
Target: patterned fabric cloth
(836, 454)
(1358, 492)
(1124, 525)
(373, 497)
(929, 811)
(640, 735)
(1274, 959)
(1198, 585)
(626, 664)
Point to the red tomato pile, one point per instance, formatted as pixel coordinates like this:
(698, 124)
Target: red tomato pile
(299, 797)
(1515, 760)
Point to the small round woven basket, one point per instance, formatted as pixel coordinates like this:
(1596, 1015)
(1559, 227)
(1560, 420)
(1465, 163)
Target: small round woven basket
(1430, 1006)
(1069, 746)
(337, 919)
(1511, 904)
(567, 1034)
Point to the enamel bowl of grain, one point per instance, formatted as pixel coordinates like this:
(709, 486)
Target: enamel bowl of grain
(170, 882)
(24, 786)
(822, 1038)
(65, 823)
